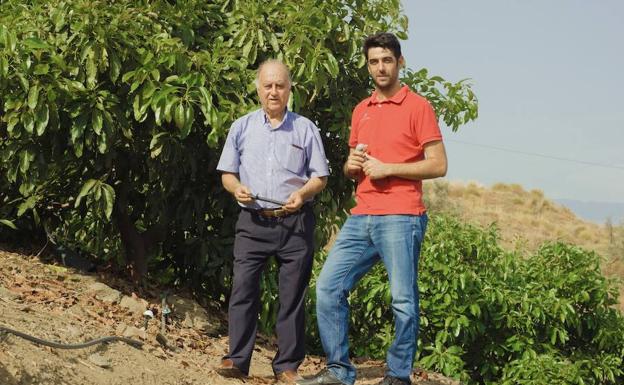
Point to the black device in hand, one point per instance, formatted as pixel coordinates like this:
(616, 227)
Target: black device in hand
(261, 198)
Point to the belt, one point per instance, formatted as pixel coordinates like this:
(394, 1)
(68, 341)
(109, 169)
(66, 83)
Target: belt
(276, 213)
(273, 213)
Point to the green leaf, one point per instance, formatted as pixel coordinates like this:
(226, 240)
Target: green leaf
(23, 81)
(78, 128)
(25, 157)
(102, 143)
(274, 43)
(114, 66)
(41, 69)
(96, 121)
(207, 98)
(33, 96)
(247, 49)
(140, 107)
(76, 86)
(4, 66)
(35, 43)
(127, 76)
(109, 198)
(86, 188)
(58, 18)
(12, 121)
(148, 90)
(91, 69)
(135, 85)
(28, 120)
(28, 204)
(171, 100)
(8, 223)
(159, 111)
(11, 41)
(156, 145)
(332, 65)
(42, 116)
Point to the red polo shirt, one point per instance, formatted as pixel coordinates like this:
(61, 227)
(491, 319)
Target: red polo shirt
(395, 131)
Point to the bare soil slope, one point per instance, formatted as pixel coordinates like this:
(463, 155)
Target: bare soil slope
(58, 304)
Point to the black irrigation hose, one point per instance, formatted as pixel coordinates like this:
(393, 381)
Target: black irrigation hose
(129, 341)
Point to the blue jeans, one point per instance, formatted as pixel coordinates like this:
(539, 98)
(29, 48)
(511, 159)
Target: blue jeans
(364, 240)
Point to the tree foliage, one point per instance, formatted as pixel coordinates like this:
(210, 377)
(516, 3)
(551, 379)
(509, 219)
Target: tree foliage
(112, 118)
(491, 317)
(113, 114)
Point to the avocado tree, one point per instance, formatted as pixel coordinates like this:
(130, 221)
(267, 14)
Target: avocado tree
(113, 114)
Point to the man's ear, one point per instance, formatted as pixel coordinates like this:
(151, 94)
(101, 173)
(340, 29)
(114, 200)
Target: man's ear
(401, 62)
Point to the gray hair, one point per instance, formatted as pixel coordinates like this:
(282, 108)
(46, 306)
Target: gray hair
(271, 61)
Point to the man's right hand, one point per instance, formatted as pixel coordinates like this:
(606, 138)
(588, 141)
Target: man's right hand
(242, 194)
(355, 162)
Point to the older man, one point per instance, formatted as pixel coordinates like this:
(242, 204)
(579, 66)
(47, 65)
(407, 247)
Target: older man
(273, 163)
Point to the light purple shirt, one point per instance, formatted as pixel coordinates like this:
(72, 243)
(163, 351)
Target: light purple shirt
(273, 162)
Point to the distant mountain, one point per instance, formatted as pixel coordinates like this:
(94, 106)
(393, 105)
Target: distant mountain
(595, 211)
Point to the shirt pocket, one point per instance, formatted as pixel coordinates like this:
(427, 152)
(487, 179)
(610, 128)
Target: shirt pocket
(291, 157)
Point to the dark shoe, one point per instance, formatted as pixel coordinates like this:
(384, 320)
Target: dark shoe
(228, 369)
(390, 380)
(289, 377)
(324, 377)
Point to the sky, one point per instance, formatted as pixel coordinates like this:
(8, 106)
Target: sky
(549, 76)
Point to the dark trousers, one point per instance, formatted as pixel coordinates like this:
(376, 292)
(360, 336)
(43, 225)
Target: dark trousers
(290, 239)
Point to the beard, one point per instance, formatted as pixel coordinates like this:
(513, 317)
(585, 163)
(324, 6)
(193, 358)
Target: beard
(387, 84)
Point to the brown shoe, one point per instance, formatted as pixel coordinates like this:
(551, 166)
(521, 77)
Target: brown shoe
(288, 377)
(228, 369)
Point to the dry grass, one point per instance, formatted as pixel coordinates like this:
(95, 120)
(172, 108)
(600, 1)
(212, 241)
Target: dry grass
(526, 219)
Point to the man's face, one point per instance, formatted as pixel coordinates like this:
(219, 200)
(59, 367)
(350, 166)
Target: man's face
(384, 67)
(273, 88)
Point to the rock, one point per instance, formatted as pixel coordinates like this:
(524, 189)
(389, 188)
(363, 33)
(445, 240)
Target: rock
(191, 313)
(136, 305)
(104, 293)
(100, 360)
(121, 328)
(5, 293)
(134, 332)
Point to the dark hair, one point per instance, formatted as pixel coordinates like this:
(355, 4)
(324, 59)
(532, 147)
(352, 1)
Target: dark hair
(384, 40)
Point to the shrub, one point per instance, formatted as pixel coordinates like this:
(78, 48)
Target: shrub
(489, 316)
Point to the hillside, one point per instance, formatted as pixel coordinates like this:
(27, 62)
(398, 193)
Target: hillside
(599, 212)
(59, 304)
(526, 219)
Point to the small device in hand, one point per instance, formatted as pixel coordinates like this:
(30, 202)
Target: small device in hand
(361, 147)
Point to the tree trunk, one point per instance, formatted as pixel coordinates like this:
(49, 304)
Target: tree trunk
(137, 246)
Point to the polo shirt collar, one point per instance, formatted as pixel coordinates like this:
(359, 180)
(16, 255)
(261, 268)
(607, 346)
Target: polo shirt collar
(396, 99)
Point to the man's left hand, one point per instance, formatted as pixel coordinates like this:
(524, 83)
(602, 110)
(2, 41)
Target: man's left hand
(374, 168)
(294, 202)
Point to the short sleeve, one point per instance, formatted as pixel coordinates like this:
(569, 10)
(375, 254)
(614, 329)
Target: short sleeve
(317, 162)
(426, 125)
(355, 118)
(230, 155)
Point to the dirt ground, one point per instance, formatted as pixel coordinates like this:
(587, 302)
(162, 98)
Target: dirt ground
(61, 304)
